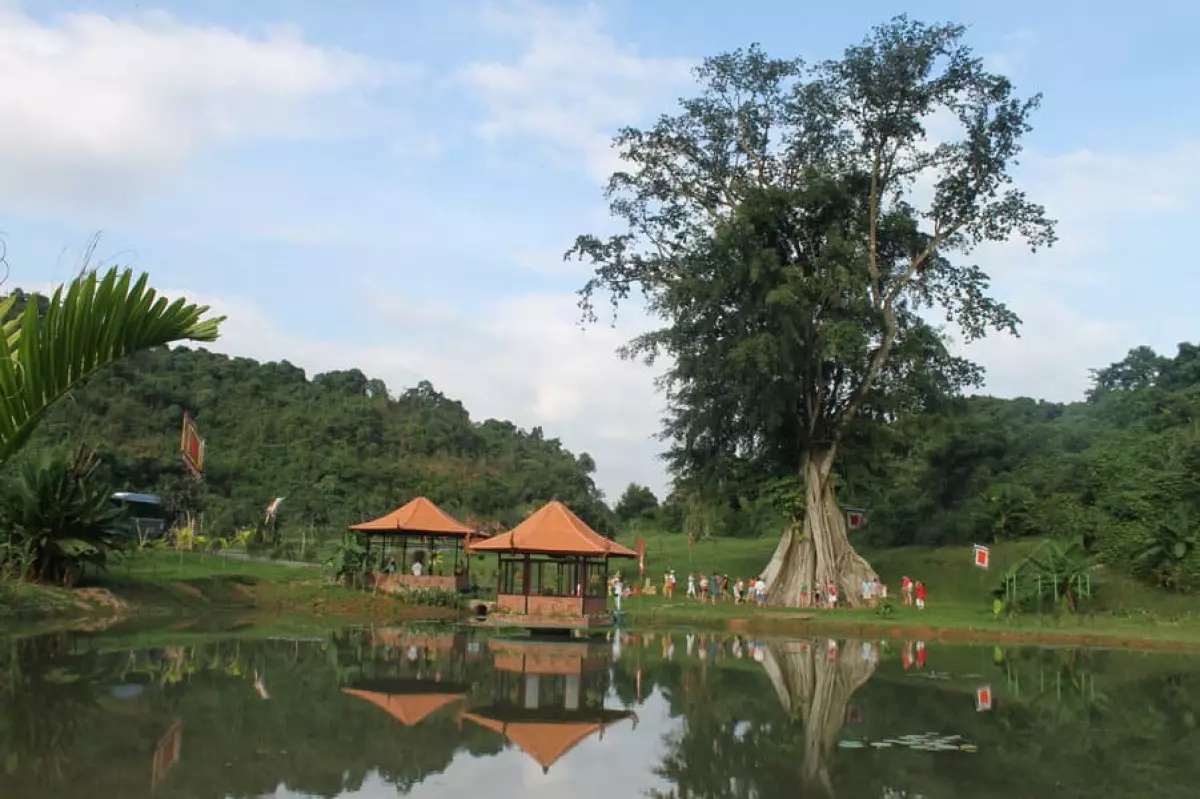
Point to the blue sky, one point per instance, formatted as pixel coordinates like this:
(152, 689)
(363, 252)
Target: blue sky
(390, 185)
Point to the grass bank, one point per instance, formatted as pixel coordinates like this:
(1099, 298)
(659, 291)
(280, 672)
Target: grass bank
(194, 585)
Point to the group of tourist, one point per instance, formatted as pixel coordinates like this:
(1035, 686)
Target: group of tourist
(913, 591)
(717, 587)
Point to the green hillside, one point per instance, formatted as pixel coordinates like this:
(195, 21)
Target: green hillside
(341, 447)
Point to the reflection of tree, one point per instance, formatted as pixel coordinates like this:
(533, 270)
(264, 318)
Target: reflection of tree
(735, 740)
(816, 689)
(44, 708)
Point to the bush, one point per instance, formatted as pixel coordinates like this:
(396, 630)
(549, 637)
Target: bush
(431, 597)
(56, 518)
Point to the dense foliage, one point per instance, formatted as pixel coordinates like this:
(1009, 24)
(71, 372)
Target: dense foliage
(1118, 472)
(56, 519)
(339, 447)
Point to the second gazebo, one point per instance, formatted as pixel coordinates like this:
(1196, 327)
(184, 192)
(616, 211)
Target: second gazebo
(553, 571)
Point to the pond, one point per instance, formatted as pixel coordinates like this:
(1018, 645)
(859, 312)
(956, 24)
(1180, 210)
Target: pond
(454, 712)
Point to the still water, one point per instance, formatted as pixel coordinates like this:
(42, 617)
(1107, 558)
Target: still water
(453, 712)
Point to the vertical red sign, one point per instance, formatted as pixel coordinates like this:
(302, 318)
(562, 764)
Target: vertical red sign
(191, 446)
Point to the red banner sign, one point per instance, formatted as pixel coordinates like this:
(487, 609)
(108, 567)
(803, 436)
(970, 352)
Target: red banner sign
(641, 553)
(191, 446)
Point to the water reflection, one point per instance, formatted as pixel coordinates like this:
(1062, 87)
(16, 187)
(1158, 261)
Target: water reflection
(448, 711)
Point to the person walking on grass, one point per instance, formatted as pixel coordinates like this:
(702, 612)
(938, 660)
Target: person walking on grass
(921, 594)
(691, 586)
(906, 588)
(703, 588)
(832, 593)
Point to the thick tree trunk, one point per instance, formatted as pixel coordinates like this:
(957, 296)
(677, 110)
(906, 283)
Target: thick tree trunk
(817, 551)
(817, 691)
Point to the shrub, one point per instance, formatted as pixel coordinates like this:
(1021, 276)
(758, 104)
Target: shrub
(56, 518)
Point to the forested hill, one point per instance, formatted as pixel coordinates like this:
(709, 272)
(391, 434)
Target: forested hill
(339, 447)
(1120, 470)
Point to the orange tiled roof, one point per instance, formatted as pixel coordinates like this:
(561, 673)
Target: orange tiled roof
(418, 516)
(554, 530)
(409, 709)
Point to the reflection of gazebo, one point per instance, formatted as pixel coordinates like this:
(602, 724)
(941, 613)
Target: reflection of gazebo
(553, 570)
(422, 527)
(549, 697)
(422, 673)
(408, 701)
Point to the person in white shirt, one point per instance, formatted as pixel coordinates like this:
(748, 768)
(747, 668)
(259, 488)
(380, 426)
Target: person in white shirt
(416, 568)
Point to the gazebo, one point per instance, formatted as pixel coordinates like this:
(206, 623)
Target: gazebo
(553, 570)
(422, 528)
(549, 697)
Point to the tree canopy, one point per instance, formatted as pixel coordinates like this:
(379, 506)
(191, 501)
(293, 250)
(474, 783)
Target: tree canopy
(636, 502)
(790, 227)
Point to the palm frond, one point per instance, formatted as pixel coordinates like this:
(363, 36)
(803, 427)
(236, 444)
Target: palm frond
(88, 324)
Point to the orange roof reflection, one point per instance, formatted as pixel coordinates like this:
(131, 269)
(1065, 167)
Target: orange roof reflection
(409, 709)
(418, 516)
(554, 530)
(546, 741)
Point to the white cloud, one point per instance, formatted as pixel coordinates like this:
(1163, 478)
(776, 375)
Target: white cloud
(1058, 346)
(573, 86)
(1102, 202)
(98, 111)
(524, 359)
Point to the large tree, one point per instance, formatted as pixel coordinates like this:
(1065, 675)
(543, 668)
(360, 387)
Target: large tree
(788, 226)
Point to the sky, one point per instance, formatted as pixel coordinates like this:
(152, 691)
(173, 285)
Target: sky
(391, 185)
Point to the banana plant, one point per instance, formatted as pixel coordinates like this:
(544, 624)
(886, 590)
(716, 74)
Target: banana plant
(86, 325)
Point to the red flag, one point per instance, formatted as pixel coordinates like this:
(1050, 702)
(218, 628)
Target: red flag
(982, 556)
(983, 698)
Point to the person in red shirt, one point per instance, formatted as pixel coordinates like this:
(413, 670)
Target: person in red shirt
(920, 595)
